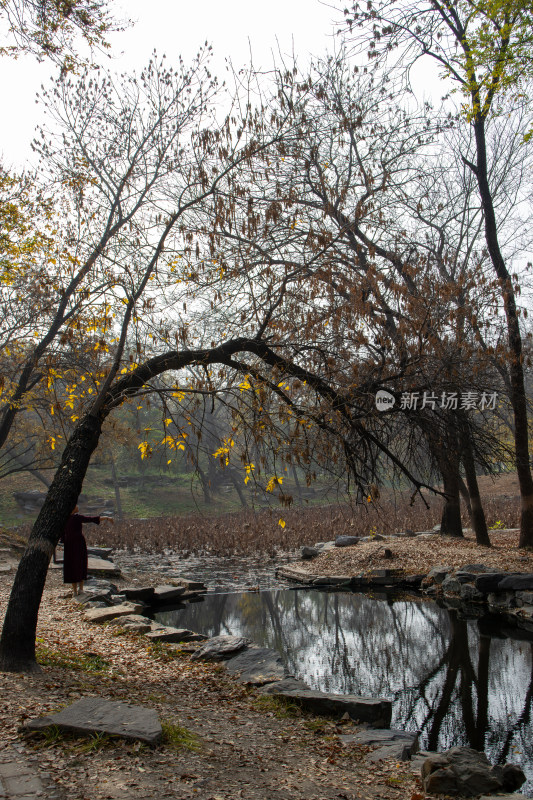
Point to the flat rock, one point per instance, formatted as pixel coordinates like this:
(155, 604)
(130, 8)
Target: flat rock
(309, 552)
(92, 715)
(107, 614)
(399, 751)
(516, 583)
(99, 566)
(165, 593)
(365, 709)
(346, 541)
(257, 666)
(100, 585)
(84, 598)
(135, 623)
(100, 552)
(377, 537)
(189, 584)
(489, 582)
(219, 648)
(169, 634)
(288, 684)
(382, 736)
(145, 593)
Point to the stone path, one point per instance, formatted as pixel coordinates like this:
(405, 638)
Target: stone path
(20, 778)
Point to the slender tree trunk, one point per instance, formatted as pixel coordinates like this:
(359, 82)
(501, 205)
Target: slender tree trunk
(297, 484)
(235, 482)
(116, 487)
(479, 522)
(514, 339)
(463, 490)
(17, 644)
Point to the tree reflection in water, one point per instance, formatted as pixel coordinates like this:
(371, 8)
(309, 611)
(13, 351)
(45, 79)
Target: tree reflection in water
(457, 681)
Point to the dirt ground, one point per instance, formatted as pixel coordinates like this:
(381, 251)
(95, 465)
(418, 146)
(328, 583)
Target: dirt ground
(246, 748)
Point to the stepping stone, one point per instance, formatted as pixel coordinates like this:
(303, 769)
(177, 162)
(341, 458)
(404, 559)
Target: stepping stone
(397, 744)
(257, 666)
(98, 566)
(100, 552)
(145, 593)
(164, 594)
(288, 684)
(220, 648)
(378, 712)
(189, 584)
(135, 623)
(107, 614)
(92, 715)
(168, 634)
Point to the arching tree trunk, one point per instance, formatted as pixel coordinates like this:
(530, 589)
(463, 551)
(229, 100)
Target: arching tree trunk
(17, 644)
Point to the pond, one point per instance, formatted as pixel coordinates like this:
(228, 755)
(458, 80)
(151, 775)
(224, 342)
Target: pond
(458, 681)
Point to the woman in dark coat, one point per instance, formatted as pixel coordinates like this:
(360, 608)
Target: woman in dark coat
(75, 550)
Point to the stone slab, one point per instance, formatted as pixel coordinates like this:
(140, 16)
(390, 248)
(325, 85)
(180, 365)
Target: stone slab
(346, 541)
(144, 593)
(288, 684)
(220, 648)
(383, 737)
(489, 582)
(93, 715)
(399, 751)
(169, 634)
(189, 584)
(516, 583)
(99, 567)
(107, 614)
(257, 666)
(166, 593)
(135, 623)
(331, 580)
(99, 552)
(378, 712)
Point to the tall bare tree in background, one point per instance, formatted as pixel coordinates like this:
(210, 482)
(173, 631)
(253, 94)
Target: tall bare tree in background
(485, 49)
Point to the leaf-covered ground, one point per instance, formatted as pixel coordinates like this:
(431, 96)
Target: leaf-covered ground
(416, 556)
(246, 748)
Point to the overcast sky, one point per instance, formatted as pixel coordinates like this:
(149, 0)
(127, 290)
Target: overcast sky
(235, 28)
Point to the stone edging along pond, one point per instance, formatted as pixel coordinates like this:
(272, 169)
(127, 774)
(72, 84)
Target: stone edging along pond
(460, 770)
(472, 588)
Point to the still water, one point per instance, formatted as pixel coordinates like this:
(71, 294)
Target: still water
(457, 681)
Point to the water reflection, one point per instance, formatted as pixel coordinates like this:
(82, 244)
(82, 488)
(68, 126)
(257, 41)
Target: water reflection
(457, 681)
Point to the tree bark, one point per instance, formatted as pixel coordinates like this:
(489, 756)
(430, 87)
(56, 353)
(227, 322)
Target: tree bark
(17, 644)
(451, 524)
(479, 523)
(514, 340)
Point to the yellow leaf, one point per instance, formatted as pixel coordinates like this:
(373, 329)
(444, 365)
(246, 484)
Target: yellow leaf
(281, 523)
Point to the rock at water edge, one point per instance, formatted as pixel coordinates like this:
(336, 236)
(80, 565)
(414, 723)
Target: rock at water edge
(257, 666)
(378, 712)
(220, 648)
(107, 614)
